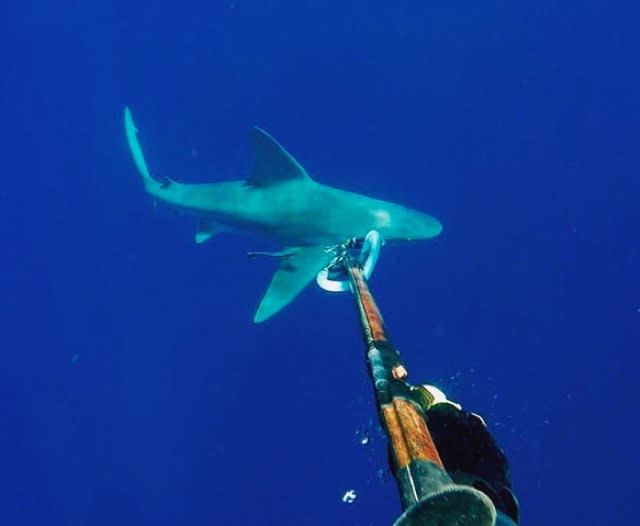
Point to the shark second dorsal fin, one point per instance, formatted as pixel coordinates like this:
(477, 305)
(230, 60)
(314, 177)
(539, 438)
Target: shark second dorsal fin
(272, 164)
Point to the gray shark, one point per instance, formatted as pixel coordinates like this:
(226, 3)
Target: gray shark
(280, 202)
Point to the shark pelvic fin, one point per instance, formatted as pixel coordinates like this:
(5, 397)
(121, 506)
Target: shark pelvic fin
(296, 270)
(206, 231)
(272, 164)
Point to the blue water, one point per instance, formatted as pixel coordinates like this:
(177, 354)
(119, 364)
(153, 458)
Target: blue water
(134, 387)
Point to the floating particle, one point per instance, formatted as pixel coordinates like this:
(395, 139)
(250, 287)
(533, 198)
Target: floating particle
(364, 440)
(349, 497)
(75, 357)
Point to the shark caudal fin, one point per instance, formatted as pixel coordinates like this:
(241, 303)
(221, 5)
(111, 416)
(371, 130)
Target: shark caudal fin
(136, 152)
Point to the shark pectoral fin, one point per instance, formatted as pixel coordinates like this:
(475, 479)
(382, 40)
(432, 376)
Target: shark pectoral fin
(294, 274)
(271, 162)
(206, 230)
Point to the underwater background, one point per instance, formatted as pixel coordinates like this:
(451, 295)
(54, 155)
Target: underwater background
(134, 386)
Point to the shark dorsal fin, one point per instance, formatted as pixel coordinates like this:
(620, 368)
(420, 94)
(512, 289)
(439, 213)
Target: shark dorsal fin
(272, 164)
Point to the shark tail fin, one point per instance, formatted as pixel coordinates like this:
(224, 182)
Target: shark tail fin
(136, 150)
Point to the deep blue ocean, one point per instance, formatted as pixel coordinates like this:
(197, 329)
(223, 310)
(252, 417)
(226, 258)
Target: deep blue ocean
(135, 388)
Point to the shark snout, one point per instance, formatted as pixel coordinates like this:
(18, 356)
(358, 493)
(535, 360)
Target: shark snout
(421, 226)
(431, 227)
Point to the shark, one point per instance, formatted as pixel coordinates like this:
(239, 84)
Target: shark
(280, 202)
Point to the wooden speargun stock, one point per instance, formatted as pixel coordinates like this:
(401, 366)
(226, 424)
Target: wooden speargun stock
(429, 496)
